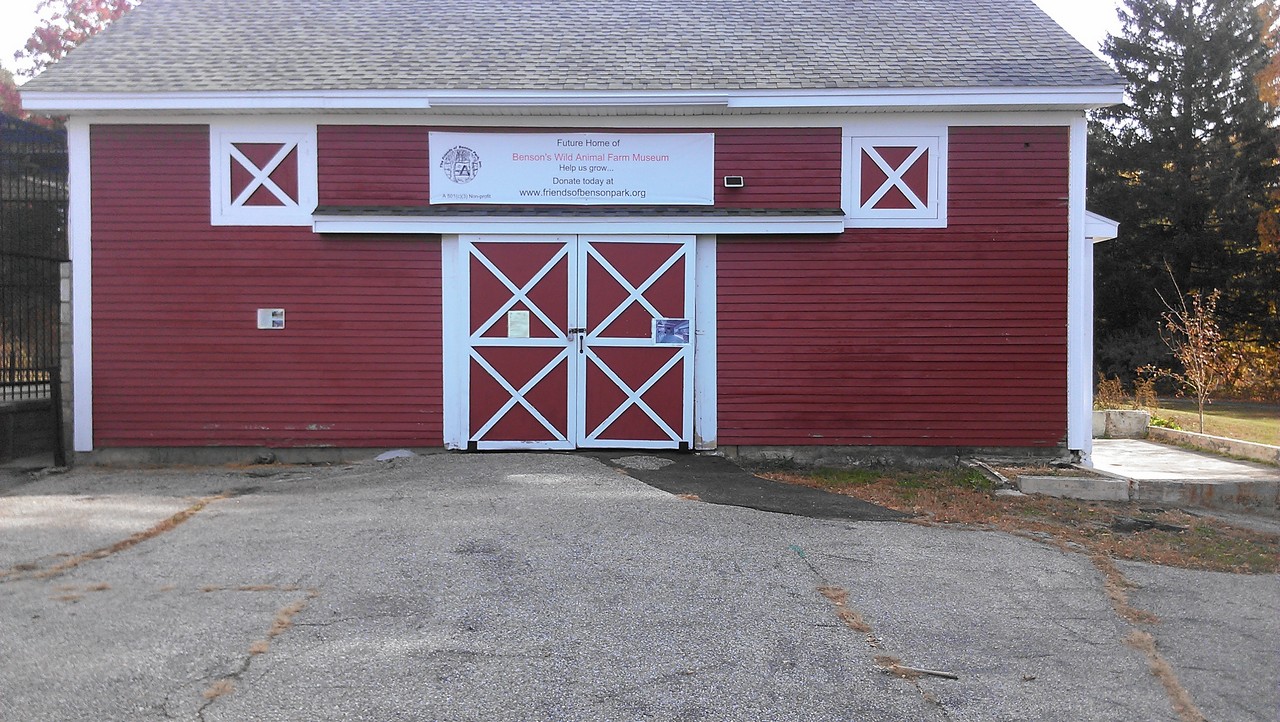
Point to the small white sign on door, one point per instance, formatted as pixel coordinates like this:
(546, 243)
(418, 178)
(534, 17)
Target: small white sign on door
(517, 324)
(671, 331)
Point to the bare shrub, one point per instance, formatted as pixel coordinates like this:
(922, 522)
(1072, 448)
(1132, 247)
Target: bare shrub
(1110, 394)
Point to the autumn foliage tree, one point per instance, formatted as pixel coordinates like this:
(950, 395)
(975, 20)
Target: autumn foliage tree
(64, 25)
(10, 103)
(1191, 332)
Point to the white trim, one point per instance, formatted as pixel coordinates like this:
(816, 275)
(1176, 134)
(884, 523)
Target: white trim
(933, 212)
(1065, 98)
(459, 342)
(854, 123)
(683, 248)
(591, 439)
(226, 210)
(585, 225)
(79, 228)
(519, 295)
(704, 349)
(1099, 228)
(455, 372)
(1079, 303)
(562, 440)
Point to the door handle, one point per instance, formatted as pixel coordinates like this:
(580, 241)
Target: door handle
(579, 334)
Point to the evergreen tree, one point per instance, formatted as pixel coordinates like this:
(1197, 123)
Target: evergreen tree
(1188, 165)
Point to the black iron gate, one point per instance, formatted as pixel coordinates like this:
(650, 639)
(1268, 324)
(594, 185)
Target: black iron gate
(33, 245)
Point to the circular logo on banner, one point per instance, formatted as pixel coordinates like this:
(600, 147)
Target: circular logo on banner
(460, 164)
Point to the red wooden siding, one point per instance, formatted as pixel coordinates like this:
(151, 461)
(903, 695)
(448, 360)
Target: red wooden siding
(783, 167)
(177, 357)
(363, 165)
(943, 337)
(372, 165)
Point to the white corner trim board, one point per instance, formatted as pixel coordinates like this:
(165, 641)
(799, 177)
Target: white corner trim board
(1079, 303)
(705, 426)
(79, 223)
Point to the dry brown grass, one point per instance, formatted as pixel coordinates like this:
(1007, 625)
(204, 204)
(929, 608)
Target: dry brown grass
(851, 618)
(837, 595)
(1073, 526)
(892, 666)
(217, 689)
(34, 572)
(964, 498)
(279, 625)
(284, 618)
(1117, 588)
(1160, 668)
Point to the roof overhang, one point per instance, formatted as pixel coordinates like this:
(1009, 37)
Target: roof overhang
(603, 101)
(1100, 228)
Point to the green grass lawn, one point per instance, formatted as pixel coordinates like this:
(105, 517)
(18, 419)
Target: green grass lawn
(1234, 419)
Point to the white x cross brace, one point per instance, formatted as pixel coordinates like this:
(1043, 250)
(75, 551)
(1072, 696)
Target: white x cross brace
(262, 176)
(894, 178)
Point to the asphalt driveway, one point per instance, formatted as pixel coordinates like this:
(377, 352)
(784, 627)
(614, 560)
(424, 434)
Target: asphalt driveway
(554, 587)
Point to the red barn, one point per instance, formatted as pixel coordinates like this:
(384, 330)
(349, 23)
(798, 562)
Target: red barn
(810, 226)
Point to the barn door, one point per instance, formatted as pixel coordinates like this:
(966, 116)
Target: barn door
(636, 379)
(521, 374)
(577, 341)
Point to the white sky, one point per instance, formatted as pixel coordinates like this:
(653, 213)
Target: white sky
(1088, 20)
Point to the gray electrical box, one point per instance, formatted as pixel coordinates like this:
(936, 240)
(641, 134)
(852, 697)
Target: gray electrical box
(271, 318)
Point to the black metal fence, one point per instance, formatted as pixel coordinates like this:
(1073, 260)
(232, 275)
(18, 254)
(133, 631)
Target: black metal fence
(33, 242)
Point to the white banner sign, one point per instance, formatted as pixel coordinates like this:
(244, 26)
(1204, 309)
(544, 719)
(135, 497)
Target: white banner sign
(573, 168)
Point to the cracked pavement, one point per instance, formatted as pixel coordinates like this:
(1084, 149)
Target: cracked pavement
(551, 587)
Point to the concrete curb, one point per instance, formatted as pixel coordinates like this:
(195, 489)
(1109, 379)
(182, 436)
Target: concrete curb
(1076, 487)
(1218, 444)
(1253, 497)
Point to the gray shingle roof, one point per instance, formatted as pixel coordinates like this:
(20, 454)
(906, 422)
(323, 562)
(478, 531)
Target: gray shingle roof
(239, 45)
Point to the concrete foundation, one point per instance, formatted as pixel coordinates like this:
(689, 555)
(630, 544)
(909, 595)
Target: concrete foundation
(220, 455)
(836, 456)
(899, 456)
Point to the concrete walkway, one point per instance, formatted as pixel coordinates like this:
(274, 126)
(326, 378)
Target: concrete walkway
(1157, 472)
(1148, 461)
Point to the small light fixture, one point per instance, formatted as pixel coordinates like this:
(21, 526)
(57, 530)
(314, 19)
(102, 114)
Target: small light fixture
(734, 181)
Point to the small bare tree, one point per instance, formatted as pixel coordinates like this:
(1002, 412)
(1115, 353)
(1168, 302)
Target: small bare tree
(1191, 332)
